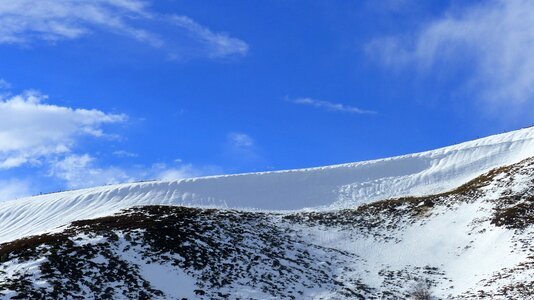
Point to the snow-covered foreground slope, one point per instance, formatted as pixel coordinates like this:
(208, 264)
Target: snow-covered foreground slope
(325, 188)
(474, 242)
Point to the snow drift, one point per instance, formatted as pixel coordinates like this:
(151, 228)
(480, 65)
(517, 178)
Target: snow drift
(323, 188)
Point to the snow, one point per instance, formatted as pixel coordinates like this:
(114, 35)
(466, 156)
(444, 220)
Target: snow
(457, 239)
(172, 281)
(9, 269)
(325, 188)
(448, 241)
(452, 247)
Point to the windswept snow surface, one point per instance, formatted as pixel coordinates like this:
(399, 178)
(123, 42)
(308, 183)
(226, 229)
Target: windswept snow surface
(331, 187)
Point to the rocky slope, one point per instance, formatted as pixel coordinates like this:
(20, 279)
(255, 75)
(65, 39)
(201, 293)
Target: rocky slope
(473, 242)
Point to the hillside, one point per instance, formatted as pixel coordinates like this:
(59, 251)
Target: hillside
(325, 188)
(474, 241)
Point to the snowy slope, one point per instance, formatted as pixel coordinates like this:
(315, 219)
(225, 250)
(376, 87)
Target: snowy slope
(324, 188)
(474, 242)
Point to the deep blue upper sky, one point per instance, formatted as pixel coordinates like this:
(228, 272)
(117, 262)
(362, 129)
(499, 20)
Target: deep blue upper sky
(247, 86)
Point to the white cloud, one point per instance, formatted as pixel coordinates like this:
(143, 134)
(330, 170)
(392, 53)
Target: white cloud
(31, 129)
(27, 21)
(44, 136)
(163, 172)
(13, 189)
(496, 36)
(80, 171)
(179, 170)
(330, 106)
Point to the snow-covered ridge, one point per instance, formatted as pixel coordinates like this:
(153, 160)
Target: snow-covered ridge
(475, 242)
(331, 187)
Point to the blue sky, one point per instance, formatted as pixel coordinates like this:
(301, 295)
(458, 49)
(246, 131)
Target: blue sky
(108, 91)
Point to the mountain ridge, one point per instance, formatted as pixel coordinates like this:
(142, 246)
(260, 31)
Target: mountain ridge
(326, 188)
(472, 242)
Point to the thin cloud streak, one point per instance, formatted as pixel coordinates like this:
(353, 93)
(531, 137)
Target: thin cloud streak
(221, 44)
(331, 106)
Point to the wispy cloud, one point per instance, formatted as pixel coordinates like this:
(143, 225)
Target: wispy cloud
(221, 44)
(4, 84)
(241, 141)
(330, 106)
(124, 153)
(79, 171)
(31, 129)
(84, 170)
(494, 37)
(44, 139)
(26, 21)
(14, 188)
(180, 170)
(242, 151)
